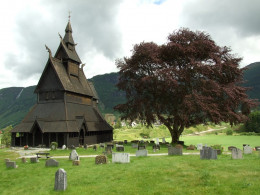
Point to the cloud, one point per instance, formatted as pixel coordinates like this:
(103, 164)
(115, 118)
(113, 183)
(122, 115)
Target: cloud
(94, 27)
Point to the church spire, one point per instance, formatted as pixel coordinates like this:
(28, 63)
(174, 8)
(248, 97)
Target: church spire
(68, 39)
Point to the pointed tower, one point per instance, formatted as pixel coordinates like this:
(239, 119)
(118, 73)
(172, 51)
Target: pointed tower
(66, 111)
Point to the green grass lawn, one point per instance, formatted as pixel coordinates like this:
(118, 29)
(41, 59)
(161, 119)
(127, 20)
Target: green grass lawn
(143, 175)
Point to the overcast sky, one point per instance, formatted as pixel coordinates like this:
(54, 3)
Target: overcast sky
(107, 29)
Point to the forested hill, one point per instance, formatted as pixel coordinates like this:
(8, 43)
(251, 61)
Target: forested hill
(15, 102)
(252, 77)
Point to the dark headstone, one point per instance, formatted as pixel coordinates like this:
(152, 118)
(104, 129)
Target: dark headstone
(257, 148)
(95, 147)
(34, 159)
(60, 180)
(101, 159)
(109, 145)
(86, 146)
(125, 141)
(208, 153)
(191, 147)
(218, 151)
(142, 147)
(51, 163)
(120, 148)
(120, 143)
(151, 142)
(174, 150)
(11, 164)
(76, 162)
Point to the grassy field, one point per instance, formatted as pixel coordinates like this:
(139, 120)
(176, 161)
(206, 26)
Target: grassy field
(143, 175)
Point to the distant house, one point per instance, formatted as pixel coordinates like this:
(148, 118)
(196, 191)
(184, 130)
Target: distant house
(66, 111)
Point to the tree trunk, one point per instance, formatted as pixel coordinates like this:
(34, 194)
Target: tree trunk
(176, 132)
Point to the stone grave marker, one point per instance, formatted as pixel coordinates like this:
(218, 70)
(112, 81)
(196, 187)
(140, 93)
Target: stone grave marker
(191, 147)
(34, 160)
(151, 142)
(236, 153)
(24, 160)
(95, 147)
(120, 148)
(208, 153)
(120, 142)
(102, 145)
(199, 146)
(111, 145)
(257, 148)
(142, 147)
(141, 153)
(174, 150)
(76, 162)
(125, 141)
(134, 145)
(51, 163)
(11, 164)
(74, 155)
(163, 140)
(230, 148)
(60, 180)
(157, 141)
(63, 147)
(248, 150)
(120, 157)
(7, 159)
(101, 159)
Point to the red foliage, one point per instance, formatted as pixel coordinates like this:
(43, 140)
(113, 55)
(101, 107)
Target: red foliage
(187, 81)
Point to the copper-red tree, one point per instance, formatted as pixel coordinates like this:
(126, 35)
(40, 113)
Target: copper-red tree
(187, 81)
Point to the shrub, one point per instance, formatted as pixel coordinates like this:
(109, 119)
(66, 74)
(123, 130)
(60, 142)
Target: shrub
(229, 132)
(54, 145)
(253, 122)
(6, 136)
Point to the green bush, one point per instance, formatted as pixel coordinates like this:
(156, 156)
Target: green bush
(54, 145)
(253, 122)
(6, 136)
(229, 132)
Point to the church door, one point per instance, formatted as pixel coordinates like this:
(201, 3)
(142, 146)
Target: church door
(81, 137)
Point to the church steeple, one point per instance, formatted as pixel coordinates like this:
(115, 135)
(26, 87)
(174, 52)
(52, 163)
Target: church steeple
(68, 39)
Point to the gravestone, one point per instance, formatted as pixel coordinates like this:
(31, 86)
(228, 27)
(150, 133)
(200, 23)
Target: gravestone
(208, 153)
(125, 141)
(11, 164)
(86, 146)
(51, 163)
(257, 148)
(236, 153)
(101, 159)
(163, 140)
(157, 141)
(74, 155)
(34, 160)
(134, 145)
(151, 142)
(120, 158)
(76, 162)
(95, 147)
(141, 153)
(120, 148)
(230, 148)
(101, 145)
(191, 147)
(199, 146)
(142, 147)
(7, 159)
(63, 147)
(24, 160)
(120, 142)
(174, 150)
(110, 145)
(60, 180)
(247, 150)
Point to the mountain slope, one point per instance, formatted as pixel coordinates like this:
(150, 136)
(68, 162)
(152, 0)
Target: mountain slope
(15, 102)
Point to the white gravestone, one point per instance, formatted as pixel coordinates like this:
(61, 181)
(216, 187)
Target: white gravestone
(157, 141)
(60, 180)
(163, 140)
(51, 163)
(236, 153)
(247, 150)
(141, 153)
(120, 157)
(74, 155)
(63, 147)
(199, 146)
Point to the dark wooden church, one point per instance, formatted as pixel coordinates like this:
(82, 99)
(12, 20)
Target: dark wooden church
(66, 111)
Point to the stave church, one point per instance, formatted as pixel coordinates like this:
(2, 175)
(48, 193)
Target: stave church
(66, 111)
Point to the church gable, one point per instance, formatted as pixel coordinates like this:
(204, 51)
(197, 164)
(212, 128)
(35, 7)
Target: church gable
(49, 81)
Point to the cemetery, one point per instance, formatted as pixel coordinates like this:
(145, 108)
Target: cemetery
(88, 169)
